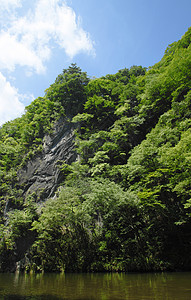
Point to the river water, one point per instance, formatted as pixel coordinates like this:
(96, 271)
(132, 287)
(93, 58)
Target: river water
(165, 286)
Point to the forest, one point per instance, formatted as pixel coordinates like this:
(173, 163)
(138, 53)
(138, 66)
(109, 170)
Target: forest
(124, 203)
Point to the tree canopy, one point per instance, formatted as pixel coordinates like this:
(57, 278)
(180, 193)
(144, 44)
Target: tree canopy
(125, 204)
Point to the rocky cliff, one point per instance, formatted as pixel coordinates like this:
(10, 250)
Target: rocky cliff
(42, 175)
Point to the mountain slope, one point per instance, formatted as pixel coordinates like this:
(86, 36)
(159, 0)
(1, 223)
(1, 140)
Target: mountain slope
(96, 175)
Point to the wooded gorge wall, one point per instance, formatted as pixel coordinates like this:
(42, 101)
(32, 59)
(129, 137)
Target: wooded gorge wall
(124, 204)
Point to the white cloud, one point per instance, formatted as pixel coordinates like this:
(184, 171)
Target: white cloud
(28, 41)
(9, 4)
(10, 101)
(7, 11)
(13, 52)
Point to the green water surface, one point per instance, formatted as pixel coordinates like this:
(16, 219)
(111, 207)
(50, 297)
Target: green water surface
(167, 286)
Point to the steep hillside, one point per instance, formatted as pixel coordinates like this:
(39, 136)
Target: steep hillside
(96, 175)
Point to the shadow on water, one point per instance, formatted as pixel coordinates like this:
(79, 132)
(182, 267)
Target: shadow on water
(42, 297)
(19, 297)
(171, 286)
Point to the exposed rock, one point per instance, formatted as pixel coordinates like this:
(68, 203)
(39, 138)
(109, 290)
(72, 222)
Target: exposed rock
(42, 174)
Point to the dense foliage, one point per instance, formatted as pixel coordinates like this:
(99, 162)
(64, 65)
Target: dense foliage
(125, 205)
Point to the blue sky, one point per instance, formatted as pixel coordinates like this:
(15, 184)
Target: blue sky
(40, 38)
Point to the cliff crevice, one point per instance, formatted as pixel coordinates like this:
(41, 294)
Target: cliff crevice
(42, 175)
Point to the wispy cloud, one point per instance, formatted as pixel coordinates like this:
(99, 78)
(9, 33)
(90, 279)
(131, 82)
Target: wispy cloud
(10, 4)
(28, 40)
(14, 52)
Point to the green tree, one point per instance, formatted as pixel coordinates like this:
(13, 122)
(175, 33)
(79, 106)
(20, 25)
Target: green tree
(69, 90)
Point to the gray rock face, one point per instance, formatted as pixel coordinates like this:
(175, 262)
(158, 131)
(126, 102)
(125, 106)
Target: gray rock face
(42, 174)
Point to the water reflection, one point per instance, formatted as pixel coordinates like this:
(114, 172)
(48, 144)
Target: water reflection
(19, 297)
(169, 286)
